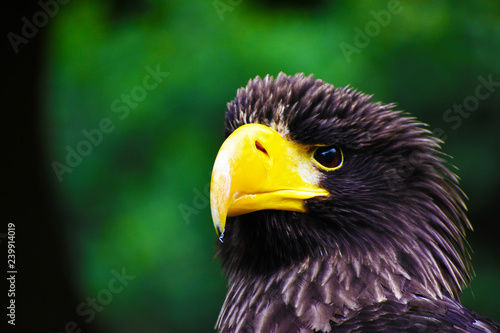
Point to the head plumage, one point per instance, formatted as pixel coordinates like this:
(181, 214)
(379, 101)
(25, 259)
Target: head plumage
(394, 194)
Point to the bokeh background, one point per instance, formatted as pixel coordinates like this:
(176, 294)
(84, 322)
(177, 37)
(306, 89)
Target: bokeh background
(138, 90)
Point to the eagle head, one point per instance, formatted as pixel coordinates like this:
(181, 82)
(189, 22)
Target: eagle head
(323, 186)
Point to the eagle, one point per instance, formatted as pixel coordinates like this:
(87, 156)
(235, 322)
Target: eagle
(336, 214)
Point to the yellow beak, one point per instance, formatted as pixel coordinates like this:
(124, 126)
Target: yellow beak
(257, 169)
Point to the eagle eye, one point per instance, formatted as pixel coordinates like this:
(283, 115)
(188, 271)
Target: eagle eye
(329, 157)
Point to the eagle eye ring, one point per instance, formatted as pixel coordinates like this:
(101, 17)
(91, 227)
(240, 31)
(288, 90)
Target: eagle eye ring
(328, 158)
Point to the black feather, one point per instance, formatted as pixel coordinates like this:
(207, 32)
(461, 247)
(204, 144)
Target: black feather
(384, 252)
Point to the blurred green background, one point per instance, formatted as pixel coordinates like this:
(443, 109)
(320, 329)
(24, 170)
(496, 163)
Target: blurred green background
(136, 198)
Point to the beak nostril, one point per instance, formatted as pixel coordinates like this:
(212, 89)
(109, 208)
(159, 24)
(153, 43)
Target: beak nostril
(259, 146)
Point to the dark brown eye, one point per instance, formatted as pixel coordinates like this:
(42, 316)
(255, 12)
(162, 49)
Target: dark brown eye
(329, 157)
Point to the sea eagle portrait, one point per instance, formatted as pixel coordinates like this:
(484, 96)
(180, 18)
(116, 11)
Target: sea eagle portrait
(336, 214)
